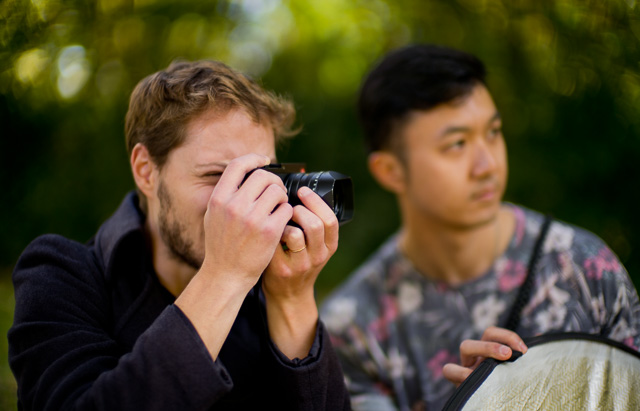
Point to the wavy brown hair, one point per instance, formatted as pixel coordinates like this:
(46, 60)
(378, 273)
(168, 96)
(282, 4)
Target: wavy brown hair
(163, 103)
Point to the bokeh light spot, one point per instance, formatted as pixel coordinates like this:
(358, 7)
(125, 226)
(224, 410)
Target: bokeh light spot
(30, 65)
(73, 69)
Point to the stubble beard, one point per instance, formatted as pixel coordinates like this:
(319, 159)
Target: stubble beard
(173, 232)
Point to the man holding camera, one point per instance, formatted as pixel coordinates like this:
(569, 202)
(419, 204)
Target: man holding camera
(196, 293)
(455, 268)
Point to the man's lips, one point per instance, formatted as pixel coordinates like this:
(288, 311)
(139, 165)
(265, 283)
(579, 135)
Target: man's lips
(485, 194)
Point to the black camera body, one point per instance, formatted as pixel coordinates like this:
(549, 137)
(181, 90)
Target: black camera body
(334, 188)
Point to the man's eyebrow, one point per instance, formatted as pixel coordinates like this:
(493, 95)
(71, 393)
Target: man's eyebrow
(211, 164)
(463, 129)
(454, 130)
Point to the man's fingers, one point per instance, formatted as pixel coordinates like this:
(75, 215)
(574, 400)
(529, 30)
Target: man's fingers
(317, 206)
(237, 169)
(256, 183)
(471, 350)
(497, 343)
(295, 240)
(262, 191)
(266, 202)
(312, 226)
(506, 337)
(455, 373)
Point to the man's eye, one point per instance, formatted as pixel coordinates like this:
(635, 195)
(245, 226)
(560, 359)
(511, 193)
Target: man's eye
(456, 145)
(495, 132)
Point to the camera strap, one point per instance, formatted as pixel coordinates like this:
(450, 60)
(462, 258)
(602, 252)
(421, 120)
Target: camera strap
(525, 289)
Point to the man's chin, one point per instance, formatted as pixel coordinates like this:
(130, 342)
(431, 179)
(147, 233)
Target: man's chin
(187, 259)
(483, 217)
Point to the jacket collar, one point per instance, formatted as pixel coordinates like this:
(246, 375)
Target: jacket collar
(126, 223)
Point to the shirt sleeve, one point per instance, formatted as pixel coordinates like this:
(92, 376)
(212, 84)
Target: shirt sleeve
(616, 303)
(63, 357)
(601, 293)
(360, 354)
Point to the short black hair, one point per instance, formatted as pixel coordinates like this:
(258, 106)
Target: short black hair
(416, 77)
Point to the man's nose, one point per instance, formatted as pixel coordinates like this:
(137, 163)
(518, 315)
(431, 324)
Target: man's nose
(484, 159)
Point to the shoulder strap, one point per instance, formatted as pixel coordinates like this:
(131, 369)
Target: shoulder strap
(525, 289)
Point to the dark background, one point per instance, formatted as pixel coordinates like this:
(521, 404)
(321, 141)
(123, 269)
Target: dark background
(564, 74)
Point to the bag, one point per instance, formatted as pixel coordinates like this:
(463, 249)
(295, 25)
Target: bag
(563, 371)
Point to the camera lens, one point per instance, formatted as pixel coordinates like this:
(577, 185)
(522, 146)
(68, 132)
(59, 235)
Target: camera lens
(334, 188)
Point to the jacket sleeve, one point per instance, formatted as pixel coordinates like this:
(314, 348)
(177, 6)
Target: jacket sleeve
(313, 383)
(63, 356)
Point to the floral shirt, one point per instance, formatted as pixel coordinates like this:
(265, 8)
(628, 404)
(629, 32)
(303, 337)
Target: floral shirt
(394, 328)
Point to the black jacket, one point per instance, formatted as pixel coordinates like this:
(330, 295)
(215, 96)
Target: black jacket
(95, 329)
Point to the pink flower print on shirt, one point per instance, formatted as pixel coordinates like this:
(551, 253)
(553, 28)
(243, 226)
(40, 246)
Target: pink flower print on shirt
(604, 261)
(629, 343)
(379, 327)
(438, 361)
(511, 274)
(521, 222)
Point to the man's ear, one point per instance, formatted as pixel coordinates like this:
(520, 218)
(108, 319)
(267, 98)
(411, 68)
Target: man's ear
(388, 170)
(143, 169)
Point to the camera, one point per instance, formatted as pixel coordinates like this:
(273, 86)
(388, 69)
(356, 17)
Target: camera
(334, 188)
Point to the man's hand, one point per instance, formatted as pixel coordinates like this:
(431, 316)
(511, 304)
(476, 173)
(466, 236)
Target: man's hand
(243, 226)
(495, 343)
(288, 282)
(245, 221)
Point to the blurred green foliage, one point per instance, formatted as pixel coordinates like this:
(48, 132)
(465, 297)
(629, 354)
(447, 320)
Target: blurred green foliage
(564, 73)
